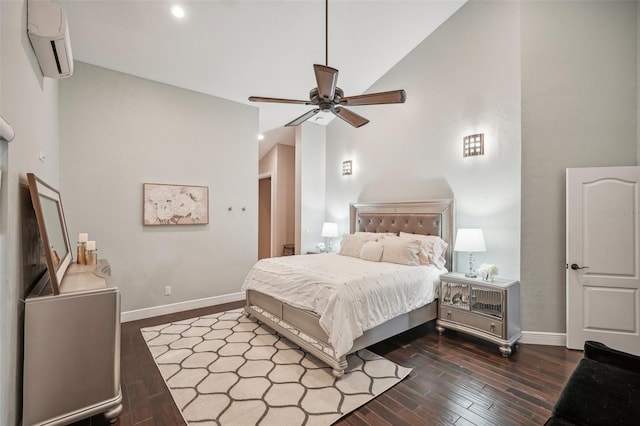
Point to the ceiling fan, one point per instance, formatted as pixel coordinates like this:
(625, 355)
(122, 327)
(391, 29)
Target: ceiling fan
(327, 97)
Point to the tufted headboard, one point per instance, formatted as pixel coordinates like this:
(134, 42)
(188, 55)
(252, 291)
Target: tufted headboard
(419, 217)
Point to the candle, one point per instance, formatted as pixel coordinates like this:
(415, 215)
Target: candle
(83, 237)
(91, 245)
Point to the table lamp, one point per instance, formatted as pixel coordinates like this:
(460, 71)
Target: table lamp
(329, 230)
(470, 240)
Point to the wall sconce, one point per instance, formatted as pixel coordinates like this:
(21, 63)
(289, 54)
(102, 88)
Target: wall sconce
(473, 145)
(347, 168)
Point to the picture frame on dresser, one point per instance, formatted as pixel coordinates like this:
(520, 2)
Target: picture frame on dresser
(47, 205)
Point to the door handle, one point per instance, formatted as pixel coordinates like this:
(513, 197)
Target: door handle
(575, 267)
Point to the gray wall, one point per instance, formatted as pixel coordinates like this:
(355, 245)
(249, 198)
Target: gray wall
(461, 80)
(119, 131)
(578, 110)
(30, 103)
(555, 80)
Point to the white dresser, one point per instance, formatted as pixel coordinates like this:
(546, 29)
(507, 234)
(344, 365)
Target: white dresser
(72, 349)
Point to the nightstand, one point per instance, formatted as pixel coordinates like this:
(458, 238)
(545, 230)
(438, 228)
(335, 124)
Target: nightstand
(487, 310)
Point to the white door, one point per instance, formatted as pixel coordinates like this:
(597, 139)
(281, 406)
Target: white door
(603, 282)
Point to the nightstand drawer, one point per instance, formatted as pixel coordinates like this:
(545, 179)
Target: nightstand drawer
(487, 325)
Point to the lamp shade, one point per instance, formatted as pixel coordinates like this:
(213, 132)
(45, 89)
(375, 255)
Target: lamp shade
(329, 230)
(470, 240)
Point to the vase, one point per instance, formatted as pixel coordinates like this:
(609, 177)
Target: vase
(487, 276)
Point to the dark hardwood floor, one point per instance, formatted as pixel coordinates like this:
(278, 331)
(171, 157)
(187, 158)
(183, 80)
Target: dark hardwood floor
(455, 380)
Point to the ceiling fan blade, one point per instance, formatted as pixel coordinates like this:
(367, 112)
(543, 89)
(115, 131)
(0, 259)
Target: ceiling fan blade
(327, 78)
(278, 100)
(304, 117)
(350, 117)
(392, 97)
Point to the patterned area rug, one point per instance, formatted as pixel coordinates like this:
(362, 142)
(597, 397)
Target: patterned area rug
(226, 369)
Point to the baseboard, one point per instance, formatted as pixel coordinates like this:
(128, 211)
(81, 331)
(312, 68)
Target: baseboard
(528, 337)
(180, 306)
(544, 338)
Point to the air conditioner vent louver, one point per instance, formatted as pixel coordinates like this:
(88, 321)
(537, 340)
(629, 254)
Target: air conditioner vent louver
(55, 55)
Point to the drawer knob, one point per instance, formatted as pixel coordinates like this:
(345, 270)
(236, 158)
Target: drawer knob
(448, 314)
(493, 327)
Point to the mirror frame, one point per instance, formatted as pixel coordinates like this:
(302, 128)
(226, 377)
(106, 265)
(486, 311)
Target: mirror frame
(38, 189)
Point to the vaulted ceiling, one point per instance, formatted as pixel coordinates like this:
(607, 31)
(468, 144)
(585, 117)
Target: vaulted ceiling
(236, 48)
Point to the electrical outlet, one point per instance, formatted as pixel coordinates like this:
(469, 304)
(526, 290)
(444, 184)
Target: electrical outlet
(167, 290)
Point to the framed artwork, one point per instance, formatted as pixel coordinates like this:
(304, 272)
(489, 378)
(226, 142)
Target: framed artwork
(175, 204)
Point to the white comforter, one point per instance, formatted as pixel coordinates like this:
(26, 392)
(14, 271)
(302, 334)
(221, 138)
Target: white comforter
(351, 295)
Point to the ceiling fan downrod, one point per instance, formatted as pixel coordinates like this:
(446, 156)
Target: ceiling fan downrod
(326, 32)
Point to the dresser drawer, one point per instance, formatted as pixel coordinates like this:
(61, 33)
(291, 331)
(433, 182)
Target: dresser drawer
(469, 319)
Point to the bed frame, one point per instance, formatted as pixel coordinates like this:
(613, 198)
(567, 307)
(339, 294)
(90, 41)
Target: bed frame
(303, 327)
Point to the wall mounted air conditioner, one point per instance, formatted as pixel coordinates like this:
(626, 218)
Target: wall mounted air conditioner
(49, 34)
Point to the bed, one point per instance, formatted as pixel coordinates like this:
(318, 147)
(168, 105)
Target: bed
(300, 320)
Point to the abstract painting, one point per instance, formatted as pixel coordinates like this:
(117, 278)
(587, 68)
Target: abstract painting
(175, 204)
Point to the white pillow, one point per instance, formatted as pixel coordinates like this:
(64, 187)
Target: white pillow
(371, 251)
(352, 244)
(378, 235)
(433, 249)
(400, 250)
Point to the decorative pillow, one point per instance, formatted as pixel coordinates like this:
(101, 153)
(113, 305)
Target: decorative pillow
(378, 235)
(371, 251)
(433, 249)
(352, 244)
(400, 250)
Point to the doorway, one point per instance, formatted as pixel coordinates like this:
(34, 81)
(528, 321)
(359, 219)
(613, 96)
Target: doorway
(264, 217)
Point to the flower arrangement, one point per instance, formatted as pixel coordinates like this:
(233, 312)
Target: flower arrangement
(175, 204)
(488, 271)
(320, 247)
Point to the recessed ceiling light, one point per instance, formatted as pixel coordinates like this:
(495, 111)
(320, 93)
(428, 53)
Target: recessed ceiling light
(260, 137)
(177, 11)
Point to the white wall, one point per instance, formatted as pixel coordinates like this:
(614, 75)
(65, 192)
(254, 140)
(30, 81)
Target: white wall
(120, 131)
(579, 96)
(310, 186)
(463, 79)
(30, 103)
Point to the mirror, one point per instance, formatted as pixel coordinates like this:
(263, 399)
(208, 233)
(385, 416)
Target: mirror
(53, 229)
